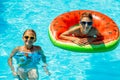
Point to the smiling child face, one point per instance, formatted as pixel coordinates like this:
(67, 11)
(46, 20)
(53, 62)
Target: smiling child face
(86, 24)
(29, 38)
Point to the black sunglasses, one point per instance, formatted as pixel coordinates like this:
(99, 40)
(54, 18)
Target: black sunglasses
(26, 37)
(83, 23)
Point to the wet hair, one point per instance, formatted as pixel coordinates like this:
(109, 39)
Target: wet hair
(31, 31)
(86, 14)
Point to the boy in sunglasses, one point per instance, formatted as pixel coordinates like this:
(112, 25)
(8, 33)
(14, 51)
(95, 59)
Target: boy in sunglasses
(80, 34)
(27, 57)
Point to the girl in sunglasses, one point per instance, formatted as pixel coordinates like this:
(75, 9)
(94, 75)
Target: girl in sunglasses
(27, 57)
(79, 34)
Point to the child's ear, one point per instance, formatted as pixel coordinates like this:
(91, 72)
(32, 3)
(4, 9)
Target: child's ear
(22, 38)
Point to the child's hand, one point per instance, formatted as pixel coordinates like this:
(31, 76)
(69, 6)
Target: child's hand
(48, 73)
(14, 73)
(76, 41)
(45, 65)
(81, 41)
(46, 70)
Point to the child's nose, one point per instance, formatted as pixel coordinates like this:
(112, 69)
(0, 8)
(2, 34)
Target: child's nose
(29, 39)
(86, 25)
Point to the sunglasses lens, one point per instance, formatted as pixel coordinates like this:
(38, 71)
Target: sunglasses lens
(32, 38)
(83, 23)
(89, 23)
(26, 37)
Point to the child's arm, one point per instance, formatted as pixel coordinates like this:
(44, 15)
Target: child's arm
(65, 35)
(10, 61)
(44, 61)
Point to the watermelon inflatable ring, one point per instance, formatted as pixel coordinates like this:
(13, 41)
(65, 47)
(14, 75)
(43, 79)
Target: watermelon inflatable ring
(105, 25)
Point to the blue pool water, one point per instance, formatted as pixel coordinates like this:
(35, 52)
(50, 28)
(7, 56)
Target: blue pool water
(18, 15)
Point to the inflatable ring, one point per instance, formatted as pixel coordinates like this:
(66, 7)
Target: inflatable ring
(105, 25)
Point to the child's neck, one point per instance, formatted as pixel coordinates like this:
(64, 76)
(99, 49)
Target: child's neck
(29, 47)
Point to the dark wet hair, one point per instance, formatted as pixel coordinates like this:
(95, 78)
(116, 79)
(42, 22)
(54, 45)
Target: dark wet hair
(32, 31)
(86, 14)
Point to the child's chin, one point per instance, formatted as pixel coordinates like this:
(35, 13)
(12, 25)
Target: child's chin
(28, 44)
(84, 33)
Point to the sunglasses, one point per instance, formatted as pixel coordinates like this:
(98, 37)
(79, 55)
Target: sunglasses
(88, 23)
(28, 37)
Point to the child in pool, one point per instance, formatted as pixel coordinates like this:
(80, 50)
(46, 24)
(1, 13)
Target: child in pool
(80, 34)
(27, 56)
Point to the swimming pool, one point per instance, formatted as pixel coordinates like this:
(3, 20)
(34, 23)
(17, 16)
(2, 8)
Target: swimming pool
(18, 15)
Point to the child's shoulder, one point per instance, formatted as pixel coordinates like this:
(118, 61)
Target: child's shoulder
(37, 47)
(17, 48)
(93, 29)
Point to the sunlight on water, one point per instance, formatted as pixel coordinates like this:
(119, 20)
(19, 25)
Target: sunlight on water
(18, 15)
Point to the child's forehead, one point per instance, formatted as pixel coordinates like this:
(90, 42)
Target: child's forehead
(29, 33)
(86, 19)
